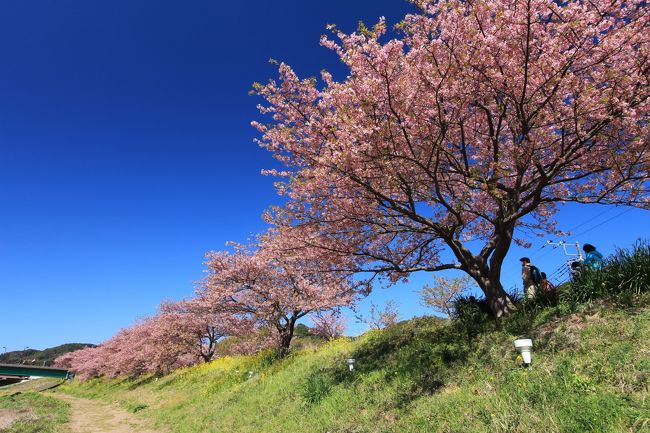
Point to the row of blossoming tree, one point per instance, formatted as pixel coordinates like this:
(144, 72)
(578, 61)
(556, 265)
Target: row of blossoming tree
(461, 133)
(253, 294)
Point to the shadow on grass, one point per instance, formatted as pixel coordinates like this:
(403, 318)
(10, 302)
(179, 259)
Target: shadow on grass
(141, 381)
(418, 354)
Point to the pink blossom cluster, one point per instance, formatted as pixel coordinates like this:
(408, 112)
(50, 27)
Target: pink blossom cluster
(250, 300)
(274, 283)
(329, 324)
(474, 124)
(181, 334)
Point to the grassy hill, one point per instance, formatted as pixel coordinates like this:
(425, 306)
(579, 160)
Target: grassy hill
(39, 357)
(590, 373)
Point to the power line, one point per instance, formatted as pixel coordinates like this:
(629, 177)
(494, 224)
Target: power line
(559, 271)
(609, 209)
(590, 229)
(564, 270)
(606, 221)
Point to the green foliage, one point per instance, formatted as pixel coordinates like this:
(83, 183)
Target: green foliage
(471, 315)
(33, 413)
(624, 275)
(590, 373)
(302, 330)
(316, 387)
(628, 271)
(133, 406)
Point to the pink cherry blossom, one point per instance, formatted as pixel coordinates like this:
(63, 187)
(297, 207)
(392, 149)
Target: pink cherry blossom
(181, 334)
(328, 324)
(274, 285)
(475, 124)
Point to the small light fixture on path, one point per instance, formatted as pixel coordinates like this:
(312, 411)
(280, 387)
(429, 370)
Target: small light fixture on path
(351, 362)
(525, 347)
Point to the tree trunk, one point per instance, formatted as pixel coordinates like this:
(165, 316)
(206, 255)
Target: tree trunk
(498, 300)
(286, 335)
(485, 268)
(488, 279)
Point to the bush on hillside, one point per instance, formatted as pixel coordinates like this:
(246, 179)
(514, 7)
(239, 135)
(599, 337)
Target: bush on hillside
(415, 355)
(471, 314)
(625, 274)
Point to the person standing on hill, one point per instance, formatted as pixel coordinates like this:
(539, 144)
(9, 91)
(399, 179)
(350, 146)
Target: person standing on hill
(594, 259)
(531, 278)
(576, 270)
(547, 286)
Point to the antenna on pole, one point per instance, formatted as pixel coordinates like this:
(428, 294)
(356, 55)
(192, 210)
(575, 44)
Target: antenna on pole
(573, 259)
(564, 246)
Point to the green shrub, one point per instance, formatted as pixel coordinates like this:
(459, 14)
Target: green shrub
(471, 315)
(628, 271)
(316, 387)
(625, 274)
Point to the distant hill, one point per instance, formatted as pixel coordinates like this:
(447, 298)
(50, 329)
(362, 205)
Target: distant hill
(40, 357)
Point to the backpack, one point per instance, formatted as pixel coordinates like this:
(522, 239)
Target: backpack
(548, 286)
(535, 274)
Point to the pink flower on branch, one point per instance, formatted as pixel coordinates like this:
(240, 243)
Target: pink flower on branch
(382, 317)
(275, 285)
(477, 123)
(328, 324)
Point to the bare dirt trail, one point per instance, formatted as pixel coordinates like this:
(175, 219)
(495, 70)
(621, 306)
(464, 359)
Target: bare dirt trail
(93, 416)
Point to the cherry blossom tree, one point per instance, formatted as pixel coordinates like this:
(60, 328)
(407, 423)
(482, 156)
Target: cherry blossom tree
(271, 285)
(85, 363)
(474, 125)
(441, 294)
(196, 326)
(181, 334)
(328, 324)
(382, 317)
(249, 343)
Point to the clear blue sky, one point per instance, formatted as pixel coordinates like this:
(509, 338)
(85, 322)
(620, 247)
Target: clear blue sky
(126, 152)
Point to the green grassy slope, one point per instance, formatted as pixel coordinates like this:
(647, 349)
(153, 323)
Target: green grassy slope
(32, 412)
(591, 373)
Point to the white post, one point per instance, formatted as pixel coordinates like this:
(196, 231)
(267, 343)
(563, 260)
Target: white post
(525, 346)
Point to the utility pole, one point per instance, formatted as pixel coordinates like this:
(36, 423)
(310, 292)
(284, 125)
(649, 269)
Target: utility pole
(564, 246)
(573, 260)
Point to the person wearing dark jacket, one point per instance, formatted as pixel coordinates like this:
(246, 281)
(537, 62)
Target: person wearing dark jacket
(531, 278)
(576, 270)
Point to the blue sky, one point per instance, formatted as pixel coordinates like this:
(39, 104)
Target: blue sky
(126, 153)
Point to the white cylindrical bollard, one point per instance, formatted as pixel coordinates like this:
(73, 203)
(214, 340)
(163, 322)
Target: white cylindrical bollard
(525, 347)
(351, 364)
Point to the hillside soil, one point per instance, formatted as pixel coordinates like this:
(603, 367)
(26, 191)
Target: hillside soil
(92, 416)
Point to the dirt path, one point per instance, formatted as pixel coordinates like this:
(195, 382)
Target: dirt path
(93, 416)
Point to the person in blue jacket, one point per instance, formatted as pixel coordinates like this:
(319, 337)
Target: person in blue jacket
(594, 259)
